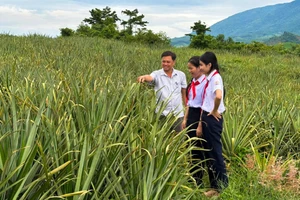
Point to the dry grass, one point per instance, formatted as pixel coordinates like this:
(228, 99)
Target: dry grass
(280, 175)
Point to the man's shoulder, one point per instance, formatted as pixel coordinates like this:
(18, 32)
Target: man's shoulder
(159, 71)
(181, 73)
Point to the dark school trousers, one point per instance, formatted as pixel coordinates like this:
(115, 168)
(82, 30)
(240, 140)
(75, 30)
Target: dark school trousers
(197, 155)
(212, 130)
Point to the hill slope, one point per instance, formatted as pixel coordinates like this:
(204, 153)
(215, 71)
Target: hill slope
(258, 24)
(284, 38)
(261, 23)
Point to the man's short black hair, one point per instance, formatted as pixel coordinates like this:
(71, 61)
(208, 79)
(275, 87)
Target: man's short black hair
(169, 53)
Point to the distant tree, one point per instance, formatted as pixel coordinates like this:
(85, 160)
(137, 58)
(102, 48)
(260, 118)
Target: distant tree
(200, 28)
(229, 40)
(133, 21)
(101, 18)
(85, 30)
(255, 47)
(148, 37)
(65, 32)
(109, 32)
(103, 23)
(220, 38)
(199, 40)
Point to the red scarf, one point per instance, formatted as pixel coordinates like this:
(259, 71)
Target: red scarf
(193, 88)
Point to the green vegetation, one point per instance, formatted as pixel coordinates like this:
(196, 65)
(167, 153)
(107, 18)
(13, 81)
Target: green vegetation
(104, 24)
(286, 37)
(201, 40)
(260, 24)
(76, 125)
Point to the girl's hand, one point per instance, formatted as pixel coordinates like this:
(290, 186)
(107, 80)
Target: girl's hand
(183, 124)
(199, 130)
(215, 114)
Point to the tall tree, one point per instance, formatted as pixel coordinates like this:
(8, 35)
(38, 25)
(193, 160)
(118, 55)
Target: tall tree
(199, 40)
(133, 21)
(200, 28)
(103, 23)
(101, 18)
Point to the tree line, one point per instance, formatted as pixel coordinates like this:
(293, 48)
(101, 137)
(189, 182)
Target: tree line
(104, 23)
(200, 39)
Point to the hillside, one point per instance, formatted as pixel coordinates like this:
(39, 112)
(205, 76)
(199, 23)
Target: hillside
(284, 38)
(180, 41)
(259, 24)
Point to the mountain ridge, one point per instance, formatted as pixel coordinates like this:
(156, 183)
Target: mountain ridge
(286, 37)
(260, 23)
(257, 24)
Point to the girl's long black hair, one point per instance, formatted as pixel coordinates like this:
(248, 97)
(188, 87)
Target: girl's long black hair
(210, 57)
(195, 61)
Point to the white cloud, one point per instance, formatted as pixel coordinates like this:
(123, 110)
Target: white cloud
(14, 15)
(21, 21)
(48, 17)
(177, 22)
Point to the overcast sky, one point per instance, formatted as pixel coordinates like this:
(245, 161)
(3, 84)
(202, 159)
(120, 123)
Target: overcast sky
(174, 17)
